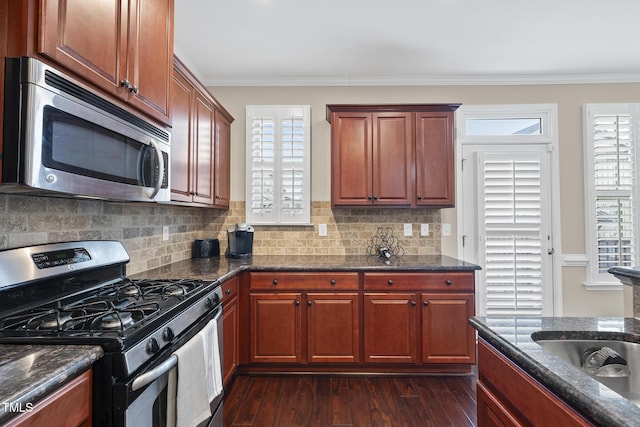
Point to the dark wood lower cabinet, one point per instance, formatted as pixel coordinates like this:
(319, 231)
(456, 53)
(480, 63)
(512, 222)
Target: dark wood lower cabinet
(390, 328)
(358, 322)
(508, 396)
(69, 406)
(333, 335)
(276, 322)
(330, 324)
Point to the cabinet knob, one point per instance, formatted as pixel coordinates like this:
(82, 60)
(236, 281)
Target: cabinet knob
(390, 282)
(125, 83)
(275, 281)
(133, 89)
(425, 303)
(297, 302)
(369, 197)
(228, 291)
(333, 282)
(309, 302)
(419, 197)
(375, 197)
(413, 303)
(448, 282)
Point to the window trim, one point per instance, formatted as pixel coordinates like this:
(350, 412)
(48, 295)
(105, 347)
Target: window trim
(596, 281)
(278, 218)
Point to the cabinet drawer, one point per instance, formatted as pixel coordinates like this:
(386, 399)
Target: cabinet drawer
(419, 281)
(304, 281)
(229, 289)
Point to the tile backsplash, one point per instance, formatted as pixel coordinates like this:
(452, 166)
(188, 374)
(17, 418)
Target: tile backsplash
(31, 220)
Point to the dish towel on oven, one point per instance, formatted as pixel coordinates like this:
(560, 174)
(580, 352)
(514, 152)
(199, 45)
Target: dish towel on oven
(212, 359)
(192, 403)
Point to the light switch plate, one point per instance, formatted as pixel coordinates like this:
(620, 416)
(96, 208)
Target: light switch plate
(446, 230)
(408, 230)
(322, 230)
(424, 229)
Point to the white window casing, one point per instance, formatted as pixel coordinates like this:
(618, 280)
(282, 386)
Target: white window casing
(278, 190)
(508, 206)
(611, 190)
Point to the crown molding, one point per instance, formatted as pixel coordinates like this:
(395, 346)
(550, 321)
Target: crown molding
(448, 80)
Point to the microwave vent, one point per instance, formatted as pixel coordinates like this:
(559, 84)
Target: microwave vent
(78, 92)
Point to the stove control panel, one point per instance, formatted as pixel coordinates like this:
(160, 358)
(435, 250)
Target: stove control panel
(60, 257)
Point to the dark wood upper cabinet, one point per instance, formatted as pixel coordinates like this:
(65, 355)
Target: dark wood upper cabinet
(392, 155)
(434, 159)
(122, 47)
(200, 144)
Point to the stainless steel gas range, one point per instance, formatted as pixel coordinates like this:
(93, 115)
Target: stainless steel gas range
(152, 331)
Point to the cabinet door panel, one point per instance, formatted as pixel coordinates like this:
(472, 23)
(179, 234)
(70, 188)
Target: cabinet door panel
(88, 38)
(333, 327)
(150, 55)
(491, 412)
(447, 336)
(351, 159)
(392, 159)
(275, 331)
(434, 159)
(181, 139)
(390, 328)
(230, 319)
(222, 160)
(203, 128)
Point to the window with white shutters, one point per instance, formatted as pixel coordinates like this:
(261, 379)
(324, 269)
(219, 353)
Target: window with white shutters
(278, 165)
(513, 235)
(610, 165)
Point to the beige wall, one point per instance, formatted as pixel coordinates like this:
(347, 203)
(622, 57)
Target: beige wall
(569, 98)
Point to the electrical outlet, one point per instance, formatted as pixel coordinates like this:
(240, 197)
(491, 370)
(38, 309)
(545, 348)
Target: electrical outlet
(165, 232)
(446, 230)
(424, 229)
(408, 230)
(322, 230)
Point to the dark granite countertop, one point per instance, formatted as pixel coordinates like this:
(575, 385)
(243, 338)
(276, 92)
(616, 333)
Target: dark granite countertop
(512, 336)
(627, 275)
(223, 268)
(29, 372)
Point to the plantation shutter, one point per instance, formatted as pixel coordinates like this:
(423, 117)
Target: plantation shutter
(511, 186)
(278, 168)
(262, 185)
(613, 189)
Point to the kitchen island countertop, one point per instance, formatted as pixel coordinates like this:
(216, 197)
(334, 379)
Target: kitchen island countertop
(512, 337)
(29, 372)
(223, 268)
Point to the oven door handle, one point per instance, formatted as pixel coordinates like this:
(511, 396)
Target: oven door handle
(155, 373)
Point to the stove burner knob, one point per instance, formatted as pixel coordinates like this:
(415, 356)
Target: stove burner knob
(152, 346)
(167, 334)
(213, 301)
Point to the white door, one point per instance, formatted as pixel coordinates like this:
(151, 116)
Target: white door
(507, 226)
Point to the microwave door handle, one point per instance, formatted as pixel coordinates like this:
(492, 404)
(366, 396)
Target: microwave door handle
(155, 373)
(156, 189)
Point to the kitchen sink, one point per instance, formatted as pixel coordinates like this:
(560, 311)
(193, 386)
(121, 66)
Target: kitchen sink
(624, 380)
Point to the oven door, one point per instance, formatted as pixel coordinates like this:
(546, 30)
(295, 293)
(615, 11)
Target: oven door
(151, 398)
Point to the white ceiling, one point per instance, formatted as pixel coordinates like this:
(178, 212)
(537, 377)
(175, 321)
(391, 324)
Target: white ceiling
(398, 42)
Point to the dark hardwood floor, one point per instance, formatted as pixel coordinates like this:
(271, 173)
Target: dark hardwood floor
(319, 400)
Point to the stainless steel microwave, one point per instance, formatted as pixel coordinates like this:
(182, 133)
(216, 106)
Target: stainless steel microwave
(62, 138)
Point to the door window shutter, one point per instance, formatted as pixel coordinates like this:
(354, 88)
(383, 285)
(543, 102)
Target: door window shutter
(513, 233)
(278, 169)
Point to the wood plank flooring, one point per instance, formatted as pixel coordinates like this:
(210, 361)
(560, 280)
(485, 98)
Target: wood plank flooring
(320, 400)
